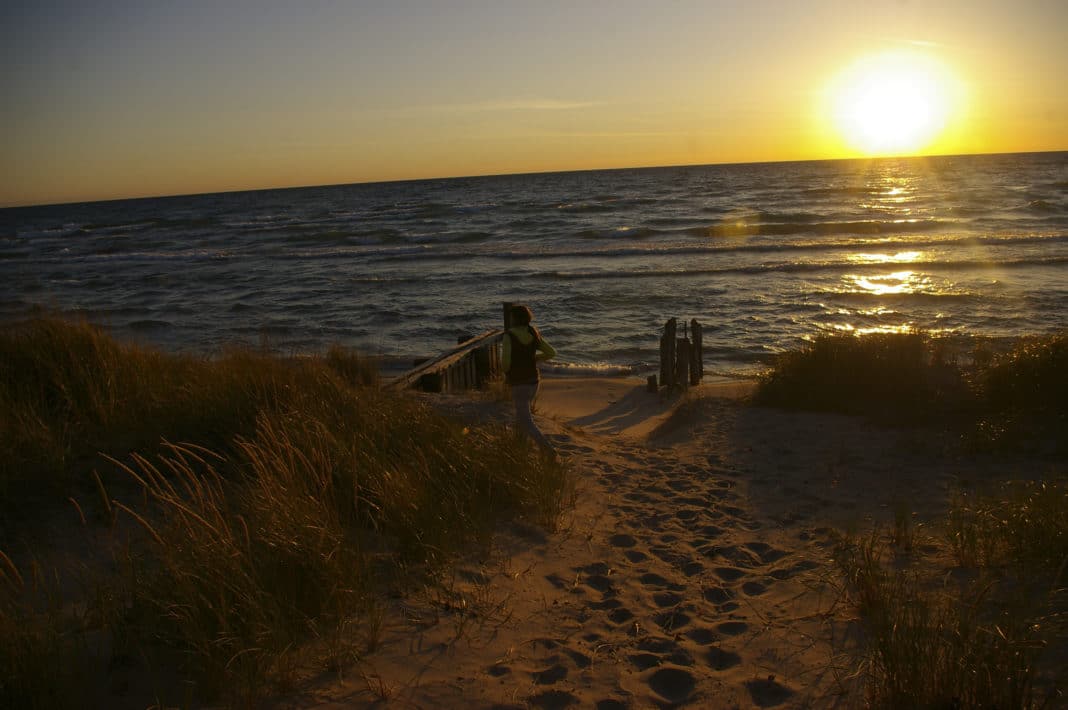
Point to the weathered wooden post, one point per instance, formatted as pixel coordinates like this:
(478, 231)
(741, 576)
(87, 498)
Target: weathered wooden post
(667, 354)
(507, 314)
(682, 362)
(697, 361)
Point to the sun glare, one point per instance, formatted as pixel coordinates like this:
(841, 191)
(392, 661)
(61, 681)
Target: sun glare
(894, 103)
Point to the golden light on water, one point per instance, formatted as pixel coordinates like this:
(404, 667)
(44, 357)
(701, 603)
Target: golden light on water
(891, 284)
(901, 257)
(894, 103)
(872, 330)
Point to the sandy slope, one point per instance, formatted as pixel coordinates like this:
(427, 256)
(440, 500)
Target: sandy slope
(692, 570)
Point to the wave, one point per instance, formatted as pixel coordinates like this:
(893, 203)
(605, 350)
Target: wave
(1043, 206)
(751, 229)
(801, 267)
(619, 233)
(600, 369)
(427, 252)
(149, 324)
(913, 297)
(151, 256)
(584, 207)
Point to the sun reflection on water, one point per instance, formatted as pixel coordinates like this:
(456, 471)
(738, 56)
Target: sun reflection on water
(895, 283)
(872, 330)
(901, 257)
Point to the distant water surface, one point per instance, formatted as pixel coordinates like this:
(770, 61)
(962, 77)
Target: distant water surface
(764, 255)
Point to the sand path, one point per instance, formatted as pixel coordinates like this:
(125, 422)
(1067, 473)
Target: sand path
(692, 571)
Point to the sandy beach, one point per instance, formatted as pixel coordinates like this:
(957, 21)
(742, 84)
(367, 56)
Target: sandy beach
(693, 569)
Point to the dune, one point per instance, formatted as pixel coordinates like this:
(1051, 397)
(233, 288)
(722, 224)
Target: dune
(692, 571)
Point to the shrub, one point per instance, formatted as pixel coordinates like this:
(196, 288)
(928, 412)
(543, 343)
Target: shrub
(888, 376)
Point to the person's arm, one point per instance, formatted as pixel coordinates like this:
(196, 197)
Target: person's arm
(545, 351)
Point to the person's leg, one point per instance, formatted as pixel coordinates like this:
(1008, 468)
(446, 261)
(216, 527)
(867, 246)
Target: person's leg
(523, 395)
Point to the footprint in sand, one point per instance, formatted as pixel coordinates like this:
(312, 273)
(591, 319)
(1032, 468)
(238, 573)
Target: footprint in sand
(688, 514)
(611, 704)
(669, 555)
(754, 589)
(599, 582)
(732, 628)
(659, 646)
(765, 552)
(644, 661)
(622, 540)
(609, 604)
(672, 620)
(652, 579)
(581, 660)
(666, 651)
(794, 570)
(767, 693)
(701, 636)
(710, 531)
(635, 556)
(717, 595)
(666, 599)
(718, 493)
(729, 574)
(552, 674)
(673, 684)
(692, 569)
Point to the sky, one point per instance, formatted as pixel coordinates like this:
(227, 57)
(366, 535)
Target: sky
(106, 100)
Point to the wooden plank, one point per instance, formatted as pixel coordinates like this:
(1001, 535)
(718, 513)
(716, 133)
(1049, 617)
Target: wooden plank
(444, 361)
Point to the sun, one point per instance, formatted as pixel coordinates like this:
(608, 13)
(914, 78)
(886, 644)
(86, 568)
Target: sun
(894, 103)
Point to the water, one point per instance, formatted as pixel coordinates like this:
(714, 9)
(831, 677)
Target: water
(764, 255)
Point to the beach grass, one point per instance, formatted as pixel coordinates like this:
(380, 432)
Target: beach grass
(1013, 400)
(271, 501)
(987, 628)
(984, 630)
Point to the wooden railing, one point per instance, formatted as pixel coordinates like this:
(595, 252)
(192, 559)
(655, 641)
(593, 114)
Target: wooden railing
(465, 366)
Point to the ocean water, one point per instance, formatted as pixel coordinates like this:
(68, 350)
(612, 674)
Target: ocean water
(763, 255)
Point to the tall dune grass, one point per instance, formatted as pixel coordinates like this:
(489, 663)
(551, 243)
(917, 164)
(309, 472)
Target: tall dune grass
(275, 498)
(1014, 400)
(890, 376)
(989, 632)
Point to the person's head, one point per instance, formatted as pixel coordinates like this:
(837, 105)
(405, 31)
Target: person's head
(521, 315)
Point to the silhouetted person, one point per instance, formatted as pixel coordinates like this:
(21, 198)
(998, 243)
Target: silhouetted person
(523, 349)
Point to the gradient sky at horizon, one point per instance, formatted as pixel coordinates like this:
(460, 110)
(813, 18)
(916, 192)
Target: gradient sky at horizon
(120, 99)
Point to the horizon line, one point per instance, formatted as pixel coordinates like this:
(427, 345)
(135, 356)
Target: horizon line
(34, 205)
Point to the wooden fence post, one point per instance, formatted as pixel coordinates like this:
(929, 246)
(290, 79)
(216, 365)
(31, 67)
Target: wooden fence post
(697, 362)
(667, 354)
(682, 363)
(507, 315)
